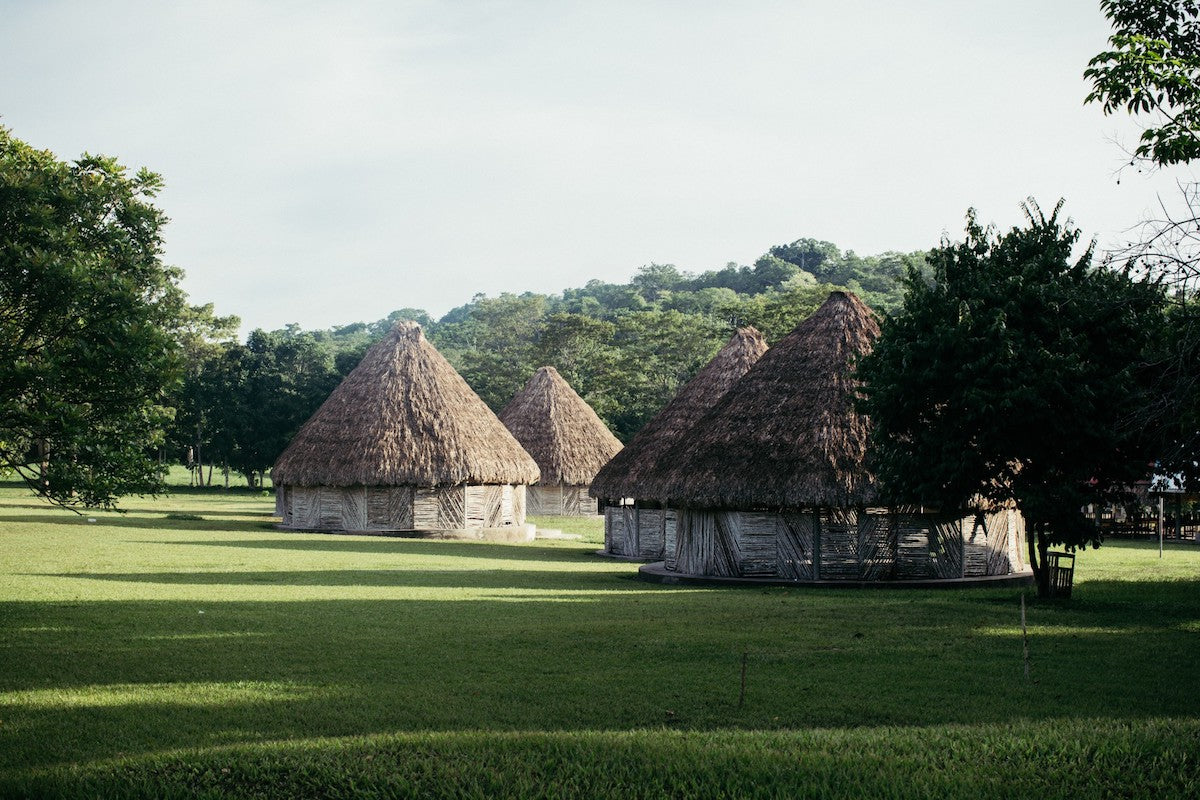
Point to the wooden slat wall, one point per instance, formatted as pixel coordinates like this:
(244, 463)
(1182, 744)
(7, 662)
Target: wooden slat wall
(1016, 540)
(838, 558)
(425, 510)
(331, 508)
(794, 545)
(671, 539)
(354, 508)
(998, 562)
(876, 545)
(946, 547)
(629, 524)
(475, 506)
(913, 547)
(756, 542)
(517, 511)
(694, 543)
(650, 532)
(571, 506)
(975, 547)
(452, 512)
(378, 518)
(614, 531)
(493, 506)
(726, 552)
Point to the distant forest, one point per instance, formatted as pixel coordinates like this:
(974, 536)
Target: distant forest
(626, 348)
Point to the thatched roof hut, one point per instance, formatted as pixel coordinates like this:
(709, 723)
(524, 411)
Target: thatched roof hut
(404, 418)
(787, 435)
(556, 426)
(566, 438)
(625, 474)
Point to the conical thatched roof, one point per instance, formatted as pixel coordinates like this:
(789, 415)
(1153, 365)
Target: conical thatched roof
(625, 475)
(787, 434)
(403, 417)
(559, 429)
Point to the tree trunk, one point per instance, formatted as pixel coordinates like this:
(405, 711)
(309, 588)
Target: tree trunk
(225, 470)
(199, 459)
(43, 447)
(1035, 538)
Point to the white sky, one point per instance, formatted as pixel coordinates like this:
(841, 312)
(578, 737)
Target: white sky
(328, 163)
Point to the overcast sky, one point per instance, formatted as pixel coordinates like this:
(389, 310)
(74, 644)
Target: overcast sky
(329, 163)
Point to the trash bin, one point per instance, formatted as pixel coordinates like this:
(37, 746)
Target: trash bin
(1061, 570)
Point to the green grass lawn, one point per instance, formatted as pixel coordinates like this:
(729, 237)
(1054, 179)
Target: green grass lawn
(187, 648)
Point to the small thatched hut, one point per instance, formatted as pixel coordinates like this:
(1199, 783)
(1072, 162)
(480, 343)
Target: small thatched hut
(634, 525)
(404, 444)
(565, 437)
(772, 481)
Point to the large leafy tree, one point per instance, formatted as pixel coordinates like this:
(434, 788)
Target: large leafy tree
(1014, 375)
(89, 317)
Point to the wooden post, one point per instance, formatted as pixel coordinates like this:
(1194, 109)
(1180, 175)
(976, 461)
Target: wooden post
(1160, 526)
(816, 543)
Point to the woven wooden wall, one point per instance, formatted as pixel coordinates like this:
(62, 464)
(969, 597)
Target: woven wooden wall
(400, 508)
(843, 544)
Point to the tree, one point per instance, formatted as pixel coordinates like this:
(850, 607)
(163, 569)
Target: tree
(89, 318)
(1014, 375)
(1153, 68)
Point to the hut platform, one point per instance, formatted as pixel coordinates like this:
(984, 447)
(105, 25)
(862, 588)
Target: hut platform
(620, 557)
(657, 572)
(510, 533)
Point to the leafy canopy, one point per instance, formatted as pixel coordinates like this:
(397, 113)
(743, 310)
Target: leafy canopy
(1013, 375)
(1153, 68)
(88, 321)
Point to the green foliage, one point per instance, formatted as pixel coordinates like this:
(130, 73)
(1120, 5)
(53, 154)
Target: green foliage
(1015, 374)
(1153, 68)
(90, 323)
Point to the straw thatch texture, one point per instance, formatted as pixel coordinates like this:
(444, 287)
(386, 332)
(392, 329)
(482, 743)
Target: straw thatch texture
(559, 429)
(403, 417)
(624, 475)
(787, 434)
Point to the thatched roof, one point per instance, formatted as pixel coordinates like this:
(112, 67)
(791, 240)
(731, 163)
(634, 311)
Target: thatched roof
(787, 434)
(559, 429)
(625, 475)
(403, 417)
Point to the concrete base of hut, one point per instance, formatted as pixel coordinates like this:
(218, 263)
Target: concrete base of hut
(825, 545)
(515, 533)
(657, 572)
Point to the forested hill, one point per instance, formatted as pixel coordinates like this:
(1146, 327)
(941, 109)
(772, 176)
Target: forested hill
(626, 348)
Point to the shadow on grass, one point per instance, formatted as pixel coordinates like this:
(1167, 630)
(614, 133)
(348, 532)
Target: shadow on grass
(159, 522)
(551, 580)
(342, 543)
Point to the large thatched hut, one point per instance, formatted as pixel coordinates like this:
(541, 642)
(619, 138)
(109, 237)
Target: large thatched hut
(404, 444)
(634, 524)
(566, 438)
(772, 482)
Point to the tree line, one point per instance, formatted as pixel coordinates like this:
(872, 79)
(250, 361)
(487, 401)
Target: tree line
(626, 348)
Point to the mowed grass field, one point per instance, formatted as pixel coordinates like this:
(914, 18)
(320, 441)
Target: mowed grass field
(188, 649)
